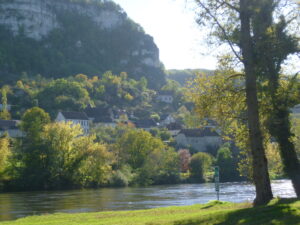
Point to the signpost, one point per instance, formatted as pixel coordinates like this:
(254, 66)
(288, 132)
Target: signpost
(217, 181)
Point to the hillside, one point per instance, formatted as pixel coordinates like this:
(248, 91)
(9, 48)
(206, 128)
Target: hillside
(59, 38)
(183, 76)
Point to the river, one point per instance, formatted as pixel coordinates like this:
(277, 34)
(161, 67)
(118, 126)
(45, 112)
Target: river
(16, 205)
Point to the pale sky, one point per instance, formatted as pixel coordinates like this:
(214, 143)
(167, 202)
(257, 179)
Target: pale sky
(172, 25)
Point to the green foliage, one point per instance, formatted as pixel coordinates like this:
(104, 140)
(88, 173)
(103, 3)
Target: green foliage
(29, 155)
(200, 165)
(136, 145)
(75, 159)
(161, 133)
(273, 156)
(122, 177)
(149, 157)
(33, 122)
(296, 131)
(4, 113)
(59, 157)
(119, 90)
(183, 76)
(161, 167)
(227, 164)
(63, 95)
(109, 134)
(5, 153)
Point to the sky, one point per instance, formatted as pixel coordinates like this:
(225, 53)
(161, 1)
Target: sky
(172, 25)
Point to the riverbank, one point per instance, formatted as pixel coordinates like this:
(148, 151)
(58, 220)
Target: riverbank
(279, 211)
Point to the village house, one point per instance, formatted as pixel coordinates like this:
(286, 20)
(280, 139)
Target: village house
(165, 96)
(166, 119)
(296, 109)
(101, 116)
(8, 107)
(174, 128)
(146, 124)
(76, 118)
(200, 139)
(11, 128)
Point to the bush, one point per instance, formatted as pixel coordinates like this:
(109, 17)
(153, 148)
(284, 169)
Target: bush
(227, 163)
(118, 179)
(122, 177)
(200, 165)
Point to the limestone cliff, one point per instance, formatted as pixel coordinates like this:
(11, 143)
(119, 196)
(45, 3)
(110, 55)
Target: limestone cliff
(57, 38)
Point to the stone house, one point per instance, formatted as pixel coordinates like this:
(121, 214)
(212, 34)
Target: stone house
(199, 139)
(174, 128)
(76, 118)
(166, 119)
(146, 124)
(10, 127)
(165, 96)
(101, 116)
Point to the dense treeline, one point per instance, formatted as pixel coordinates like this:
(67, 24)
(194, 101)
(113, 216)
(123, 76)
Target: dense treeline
(79, 92)
(57, 155)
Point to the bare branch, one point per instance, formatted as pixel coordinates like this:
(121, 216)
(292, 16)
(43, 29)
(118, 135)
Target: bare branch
(294, 78)
(228, 5)
(221, 27)
(236, 75)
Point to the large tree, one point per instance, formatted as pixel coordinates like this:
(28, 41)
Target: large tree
(232, 23)
(261, 45)
(274, 36)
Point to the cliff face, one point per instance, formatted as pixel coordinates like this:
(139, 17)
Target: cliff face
(39, 17)
(89, 36)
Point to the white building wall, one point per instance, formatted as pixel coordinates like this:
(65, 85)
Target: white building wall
(83, 123)
(165, 98)
(13, 133)
(201, 144)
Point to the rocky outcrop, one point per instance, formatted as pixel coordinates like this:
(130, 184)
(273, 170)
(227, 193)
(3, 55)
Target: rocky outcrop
(114, 42)
(39, 17)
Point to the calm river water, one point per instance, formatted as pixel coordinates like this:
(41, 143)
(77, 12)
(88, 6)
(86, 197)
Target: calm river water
(16, 205)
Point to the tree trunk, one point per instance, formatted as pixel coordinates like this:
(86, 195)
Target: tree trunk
(269, 64)
(260, 167)
(281, 130)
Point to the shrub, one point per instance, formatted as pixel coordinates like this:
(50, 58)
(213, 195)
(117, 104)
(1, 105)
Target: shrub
(200, 165)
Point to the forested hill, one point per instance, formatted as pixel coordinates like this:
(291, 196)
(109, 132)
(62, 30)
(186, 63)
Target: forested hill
(183, 76)
(59, 38)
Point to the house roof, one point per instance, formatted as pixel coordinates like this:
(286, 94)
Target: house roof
(103, 120)
(8, 124)
(145, 123)
(164, 116)
(296, 109)
(75, 115)
(174, 126)
(165, 92)
(94, 112)
(99, 114)
(199, 132)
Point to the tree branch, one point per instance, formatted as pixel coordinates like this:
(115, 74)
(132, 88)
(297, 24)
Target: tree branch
(221, 27)
(291, 83)
(229, 5)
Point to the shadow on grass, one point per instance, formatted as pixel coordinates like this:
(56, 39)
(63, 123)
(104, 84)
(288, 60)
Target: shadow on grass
(278, 213)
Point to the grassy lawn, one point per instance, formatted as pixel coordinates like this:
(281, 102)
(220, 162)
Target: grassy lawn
(279, 211)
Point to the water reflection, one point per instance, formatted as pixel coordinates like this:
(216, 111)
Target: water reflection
(15, 205)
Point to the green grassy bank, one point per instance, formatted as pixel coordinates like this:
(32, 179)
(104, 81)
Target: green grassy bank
(279, 211)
